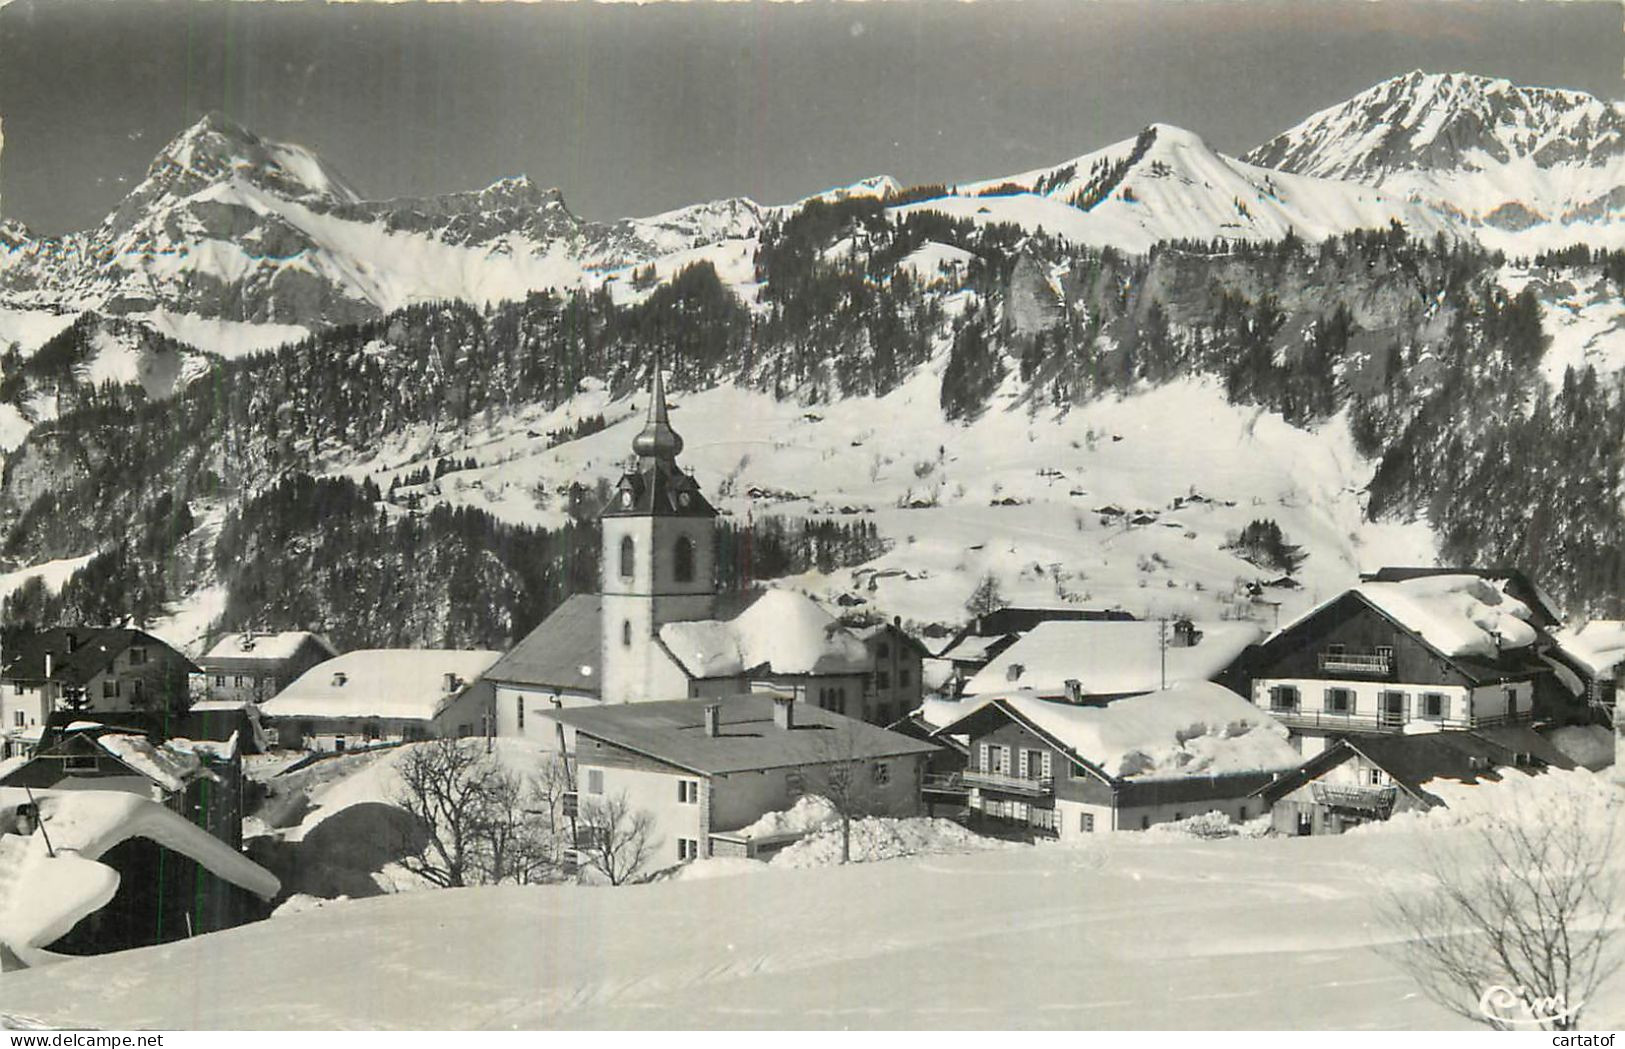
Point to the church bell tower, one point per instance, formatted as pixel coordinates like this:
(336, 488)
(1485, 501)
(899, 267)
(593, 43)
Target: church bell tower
(656, 564)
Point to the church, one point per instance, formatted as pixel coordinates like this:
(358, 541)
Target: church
(659, 630)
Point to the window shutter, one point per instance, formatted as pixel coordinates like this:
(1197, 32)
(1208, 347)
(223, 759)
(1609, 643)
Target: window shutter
(1021, 764)
(1047, 765)
(983, 765)
(1444, 707)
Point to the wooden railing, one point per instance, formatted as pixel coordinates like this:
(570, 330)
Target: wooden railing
(1378, 801)
(1378, 663)
(1014, 784)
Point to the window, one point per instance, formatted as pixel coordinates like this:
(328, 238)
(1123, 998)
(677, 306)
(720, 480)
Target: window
(17, 688)
(1284, 698)
(793, 784)
(80, 763)
(1001, 760)
(595, 781)
(683, 564)
(882, 773)
(626, 633)
(135, 688)
(1435, 705)
(519, 709)
(883, 679)
(1086, 822)
(628, 553)
(220, 681)
(19, 720)
(338, 742)
(883, 651)
(138, 656)
(1339, 701)
(1375, 777)
(1145, 822)
(237, 682)
(904, 678)
(110, 688)
(1385, 653)
(1241, 814)
(688, 849)
(688, 791)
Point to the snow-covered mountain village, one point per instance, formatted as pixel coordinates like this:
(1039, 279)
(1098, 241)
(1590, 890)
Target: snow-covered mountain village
(452, 612)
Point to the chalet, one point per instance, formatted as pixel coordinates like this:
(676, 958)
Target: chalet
(253, 667)
(1446, 651)
(1592, 655)
(374, 696)
(706, 768)
(1362, 779)
(102, 669)
(1067, 659)
(1070, 769)
(199, 778)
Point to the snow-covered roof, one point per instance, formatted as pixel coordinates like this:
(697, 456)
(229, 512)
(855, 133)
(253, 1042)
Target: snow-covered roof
(972, 648)
(263, 648)
(1193, 729)
(171, 764)
(1110, 658)
(1460, 615)
(381, 682)
(782, 631)
(1598, 646)
(51, 888)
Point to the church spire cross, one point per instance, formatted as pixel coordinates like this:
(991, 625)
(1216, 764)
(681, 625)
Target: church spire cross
(658, 440)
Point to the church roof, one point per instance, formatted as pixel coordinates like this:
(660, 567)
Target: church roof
(562, 652)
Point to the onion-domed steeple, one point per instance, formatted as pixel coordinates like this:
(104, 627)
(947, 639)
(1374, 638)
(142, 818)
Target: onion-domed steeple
(656, 485)
(658, 440)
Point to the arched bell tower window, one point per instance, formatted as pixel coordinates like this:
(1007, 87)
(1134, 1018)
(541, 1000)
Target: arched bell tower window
(627, 551)
(626, 632)
(684, 562)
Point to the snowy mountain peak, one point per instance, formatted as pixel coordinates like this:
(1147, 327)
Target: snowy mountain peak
(216, 150)
(1444, 122)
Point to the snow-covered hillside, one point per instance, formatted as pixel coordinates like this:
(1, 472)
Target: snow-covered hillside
(1047, 503)
(1153, 931)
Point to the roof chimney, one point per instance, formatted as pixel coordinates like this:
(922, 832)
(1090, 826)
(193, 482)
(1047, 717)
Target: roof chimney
(784, 712)
(451, 682)
(713, 720)
(1074, 690)
(49, 665)
(1013, 672)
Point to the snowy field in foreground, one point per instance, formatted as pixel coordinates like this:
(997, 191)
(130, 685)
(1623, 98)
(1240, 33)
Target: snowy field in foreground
(1139, 931)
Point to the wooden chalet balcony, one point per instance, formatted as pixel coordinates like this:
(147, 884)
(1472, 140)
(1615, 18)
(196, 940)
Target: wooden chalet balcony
(1372, 801)
(1367, 664)
(1385, 722)
(1321, 719)
(1038, 788)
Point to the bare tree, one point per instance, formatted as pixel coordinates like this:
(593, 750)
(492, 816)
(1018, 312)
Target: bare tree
(443, 785)
(614, 839)
(474, 822)
(1517, 930)
(845, 778)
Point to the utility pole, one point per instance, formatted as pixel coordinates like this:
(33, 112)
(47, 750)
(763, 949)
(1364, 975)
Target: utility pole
(1162, 648)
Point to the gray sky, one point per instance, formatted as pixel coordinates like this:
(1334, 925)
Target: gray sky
(636, 109)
